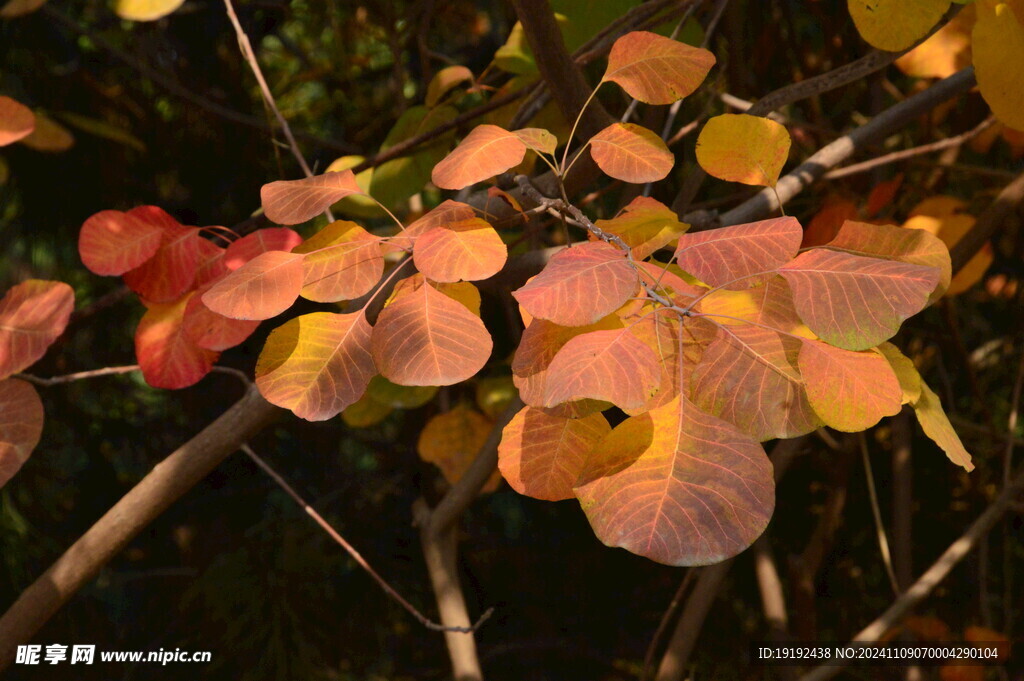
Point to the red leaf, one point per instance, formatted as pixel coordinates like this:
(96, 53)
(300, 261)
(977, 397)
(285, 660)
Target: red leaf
(447, 213)
(260, 241)
(655, 69)
(212, 331)
(678, 486)
(487, 151)
(211, 263)
(260, 289)
(825, 224)
(613, 366)
(541, 456)
(748, 376)
(32, 315)
(21, 424)
(16, 121)
(425, 338)
(343, 261)
(112, 242)
(172, 270)
(855, 302)
(290, 202)
(167, 356)
(730, 257)
(469, 250)
(850, 391)
(580, 285)
(882, 194)
(631, 153)
(316, 364)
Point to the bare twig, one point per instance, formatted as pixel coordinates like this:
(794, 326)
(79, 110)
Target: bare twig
(666, 619)
(876, 513)
(78, 376)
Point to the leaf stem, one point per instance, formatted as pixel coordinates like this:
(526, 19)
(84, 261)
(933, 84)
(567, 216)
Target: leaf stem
(576, 123)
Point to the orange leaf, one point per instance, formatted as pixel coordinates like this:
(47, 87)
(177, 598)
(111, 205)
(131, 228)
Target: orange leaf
(468, 250)
(112, 242)
(743, 148)
(316, 364)
(541, 456)
(580, 285)
(426, 338)
(825, 224)
(21, 425)
(445, 214)
(655, 69)
(487, 151)
(290, 202)
(269, 239)
(262, 288)
(645, 225)
(678, 486)
(32, 315)
(172, 270)
(850, 391)
(452, 440)
(213, 331)
(343, 261)
(16, 121)
(613, 366)
(947, 51)
(538, 139)
(740, 256)
(167, 355)
(631, 153)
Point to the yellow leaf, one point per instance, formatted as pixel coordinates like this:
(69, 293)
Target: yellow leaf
(906, 372)
(145, 10)
(743, 148)
(936, 426)
(937, 215)
(895, 25)
(998, 39)
(452, 440)
(49, 136)
(945, 53)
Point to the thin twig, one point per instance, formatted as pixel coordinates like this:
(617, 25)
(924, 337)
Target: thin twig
(666, 619)
(78, 376)
(876, 512)
(351, 550)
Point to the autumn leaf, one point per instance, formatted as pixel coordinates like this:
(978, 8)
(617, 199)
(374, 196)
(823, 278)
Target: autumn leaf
(538, 139)
(33, 315)
(678, 486)
(631, 153)
(365, 412)
(249, 246)
(425, 338)
(447, 213)
(343, 261)
(145, 10)
(944, 220)
(494, 394)
(740, 256)
(467, 250)
(171, 271)
(936, 425)
(112, 243)
(855, 302)
(743, 148)
(655, 69)
(850, 391)
(947, 51)
(211, 264)
(16, 121)
(21, 425)
(167, 355)
(541, 455)
(49, 136)
(400, 396)
(645, 225)
(485, 152)
(291, 202)
(895, 25)
(213, 331)
(580, 285)
(452, 440)
(906, 372)
(317, 364)
(262, 288)
(394, 181)
(998, 45)
(446, 80)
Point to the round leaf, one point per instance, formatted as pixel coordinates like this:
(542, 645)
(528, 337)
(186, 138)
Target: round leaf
(631, 153)
(743, 148)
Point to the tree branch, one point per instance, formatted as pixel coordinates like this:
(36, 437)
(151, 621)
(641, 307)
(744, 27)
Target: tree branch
(988, 223)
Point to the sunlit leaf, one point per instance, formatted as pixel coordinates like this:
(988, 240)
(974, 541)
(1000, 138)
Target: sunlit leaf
(446, 80)
(16, 121)
(32, 315)
(771, 305)
(166, 354)
(316, 364)
(580, 285)
(172, 270)
(645, 225)
(343, 261)
(17, 8)
(743, 148)
(906, 372)
(948, 224)
(538, 139)
(485, 152)
(655, 69)
(447, 213)
(850, 391)
(678, 486)
(541, 455)
(262, 288)
(468, 250)
(452, 440)
(211, 263)
(613, 366)
(425, 338)
(291, 202)
(145, 10)
(936, 426)
(112, 242)
(631, 153)
(21, 425)
(739, 256)
(213, 331)
(49, 136)
(855, 302)
(895, 25)
(249, 246)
